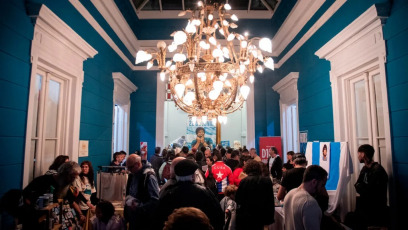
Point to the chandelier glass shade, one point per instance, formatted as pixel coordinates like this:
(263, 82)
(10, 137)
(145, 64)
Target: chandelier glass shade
(212, 66)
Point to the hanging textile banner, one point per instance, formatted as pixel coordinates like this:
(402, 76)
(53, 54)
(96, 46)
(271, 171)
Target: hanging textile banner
(209, 135)
(265, 144)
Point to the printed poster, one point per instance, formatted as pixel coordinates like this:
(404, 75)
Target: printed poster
(265, 144)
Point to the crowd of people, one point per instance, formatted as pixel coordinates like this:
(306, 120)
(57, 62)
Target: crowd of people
(219, 188)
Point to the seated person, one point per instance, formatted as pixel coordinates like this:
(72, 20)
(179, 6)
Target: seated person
(187, 218)
(105, 217)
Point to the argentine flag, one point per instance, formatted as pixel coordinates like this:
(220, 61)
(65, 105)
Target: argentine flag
(335, 158)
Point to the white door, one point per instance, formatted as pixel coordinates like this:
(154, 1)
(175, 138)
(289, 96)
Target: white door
(46, 135)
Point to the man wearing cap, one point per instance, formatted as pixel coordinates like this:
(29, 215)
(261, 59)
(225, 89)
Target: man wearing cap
(142, 192)
(185, 193)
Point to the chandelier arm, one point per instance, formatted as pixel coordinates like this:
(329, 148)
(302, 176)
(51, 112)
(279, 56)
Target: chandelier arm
(234, 92)
(229, 43)
(198, 97)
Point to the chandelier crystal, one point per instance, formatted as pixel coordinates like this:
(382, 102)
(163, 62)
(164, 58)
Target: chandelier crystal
(212, 65)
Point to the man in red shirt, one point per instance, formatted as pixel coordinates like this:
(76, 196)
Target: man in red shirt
(222, 174)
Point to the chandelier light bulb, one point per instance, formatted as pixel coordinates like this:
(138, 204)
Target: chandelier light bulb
(251, 78)
(190, 96)
(227, 6)
(218, 85)
(234, 17)
(213, 41)
(220, 119)
(214, 121)
(189, 82)
(244, 44)
(213, 95)
(221, 31)
(217, 53)
(260, 69)
(225, 23)
(196, 22)
(204, 119)
(223, 77)
(187, 101)
(269, 63)
(225, 51)
(200, 3)
(179, 90)
(172, 67)
(228, 83)
(246, 34)
(244, 91)
(178, 57)
(225, 120)
(191, 66)
(161, 45)
(230, 37)
(191, 29)
(168, 64)
(265, 44)
(172, 47)
(142, 56)
(242, 69)
(180, 37)
(210, 17)
(221, 59)
(149, 64)
(162, 76)
(194, 119)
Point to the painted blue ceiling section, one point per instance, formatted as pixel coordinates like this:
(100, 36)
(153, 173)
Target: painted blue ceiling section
(281, 14)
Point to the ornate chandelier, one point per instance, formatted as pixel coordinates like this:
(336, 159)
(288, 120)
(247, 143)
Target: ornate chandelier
(208, 76)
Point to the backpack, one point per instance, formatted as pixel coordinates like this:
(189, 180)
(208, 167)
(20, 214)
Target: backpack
(166, 172)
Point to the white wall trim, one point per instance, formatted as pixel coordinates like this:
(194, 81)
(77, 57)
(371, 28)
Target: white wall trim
(118, 23)
(250, 102)
(160, 99)
(173, 14)
(296, 20)
(288, 92)
(319, 23)
(123, 87)
(91, 20)
(57, 49)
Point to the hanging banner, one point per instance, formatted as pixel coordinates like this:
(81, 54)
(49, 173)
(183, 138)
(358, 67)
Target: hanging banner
(265, 144)
(143, 150)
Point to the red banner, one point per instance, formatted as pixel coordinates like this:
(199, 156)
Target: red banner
(265, 144)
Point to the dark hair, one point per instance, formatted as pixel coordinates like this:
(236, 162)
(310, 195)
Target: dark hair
(368, 150)
(245, 151)
(273, 148)
(211, 159)
(11, 201)
(242, 160)
(184, 149)
(191, 156)
(200, 128)
(199, 156)
(90, 174)
(170, 155)
(290, 153)
(223, 151)
(58, 161)
(164, 153)
(300, 160)
(234, 153)
(122, 153)
(229, 150)
(157, 150)
(230, 190)
(314, 172)
(219, 146)
(187, 218)
(217, 154)
(253, 168)
(106, 209)
(203, 149)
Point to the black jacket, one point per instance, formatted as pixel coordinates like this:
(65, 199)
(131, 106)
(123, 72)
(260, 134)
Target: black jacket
(188, 194)
(276, 169)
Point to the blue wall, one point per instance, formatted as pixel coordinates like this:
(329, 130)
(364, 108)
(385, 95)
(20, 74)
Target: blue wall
(396, 36)
(143, 111)
(16, 31)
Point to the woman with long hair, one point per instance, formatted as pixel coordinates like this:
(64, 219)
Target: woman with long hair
(58, 161)
(85, 184)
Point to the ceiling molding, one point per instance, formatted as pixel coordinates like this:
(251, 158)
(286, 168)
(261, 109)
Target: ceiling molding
(91, 20)
(173, 14)
(118, 23)
(319, 23)
(300, 14)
